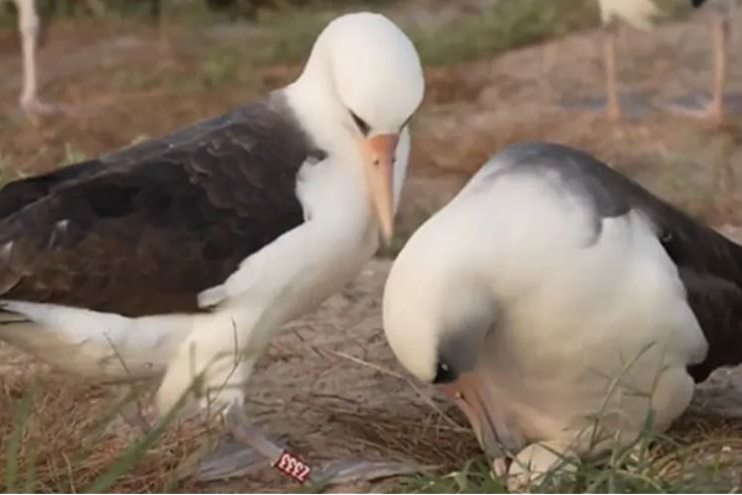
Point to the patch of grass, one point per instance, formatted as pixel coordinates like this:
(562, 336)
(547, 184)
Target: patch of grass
(60, 436)
(135, 80)
(513, 24)
(233, 54)
(8, 172)
(699, 461)
(285, 35)
(474, 477)
(506, 25)
(224, 65)
(72, 155)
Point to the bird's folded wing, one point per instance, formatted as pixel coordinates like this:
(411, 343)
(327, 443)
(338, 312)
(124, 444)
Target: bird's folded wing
(144, 230)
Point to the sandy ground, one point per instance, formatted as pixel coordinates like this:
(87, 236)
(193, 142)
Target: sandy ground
(329, 382)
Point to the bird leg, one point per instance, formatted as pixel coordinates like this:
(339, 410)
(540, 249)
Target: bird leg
(714, 109)
(216, 379)
(248, 451)
(251, 450)
(613, 108)
(29, 33)
(236, 423)
(133, 409)
(130, 411)
(720, 28)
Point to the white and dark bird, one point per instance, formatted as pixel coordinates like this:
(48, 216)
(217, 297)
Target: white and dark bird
(181, 256)
(640, 14)
(561, 306)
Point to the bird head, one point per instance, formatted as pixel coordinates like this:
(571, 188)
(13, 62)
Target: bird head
(376, 83)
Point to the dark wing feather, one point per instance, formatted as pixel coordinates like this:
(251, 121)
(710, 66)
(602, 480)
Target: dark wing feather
(144, 230)
(709, 264)
(21, 193)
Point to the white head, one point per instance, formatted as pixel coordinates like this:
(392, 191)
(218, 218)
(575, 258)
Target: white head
(366, 77)
(437, 310)
(441, 319)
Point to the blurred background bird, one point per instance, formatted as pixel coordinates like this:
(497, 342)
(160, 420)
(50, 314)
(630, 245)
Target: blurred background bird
(28, 27)
(640, 14)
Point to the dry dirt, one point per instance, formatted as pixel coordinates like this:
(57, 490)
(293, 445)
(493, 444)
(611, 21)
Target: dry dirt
(329, 381)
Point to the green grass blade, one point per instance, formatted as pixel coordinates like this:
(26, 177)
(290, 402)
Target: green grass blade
(133, 454)
(13, 445)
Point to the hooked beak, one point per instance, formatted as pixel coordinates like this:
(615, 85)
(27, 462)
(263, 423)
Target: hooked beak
(472, 395)
(378, 156)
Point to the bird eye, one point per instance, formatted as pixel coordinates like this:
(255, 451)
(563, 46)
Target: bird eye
(444, 373)
(360, 123)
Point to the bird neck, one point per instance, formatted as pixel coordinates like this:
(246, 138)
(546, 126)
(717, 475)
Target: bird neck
(322, 115)
(339, 178)
(314, 100)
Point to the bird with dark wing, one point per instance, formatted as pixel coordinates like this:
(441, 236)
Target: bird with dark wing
(180, 256)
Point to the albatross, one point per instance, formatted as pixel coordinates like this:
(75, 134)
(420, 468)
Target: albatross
(562, 306)
(640, 14)
(180, 256)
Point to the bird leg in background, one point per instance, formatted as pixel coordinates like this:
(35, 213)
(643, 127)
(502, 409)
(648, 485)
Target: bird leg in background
(29, 32)
(28, 25)
(613, 108)
(720, 29)
(159, 12)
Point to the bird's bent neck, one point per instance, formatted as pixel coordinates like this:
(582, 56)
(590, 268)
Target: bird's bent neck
(316, 105)
(340, 177)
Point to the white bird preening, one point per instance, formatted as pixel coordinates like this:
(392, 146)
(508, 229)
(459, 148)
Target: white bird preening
(640, 14)
(181, 256)
(557, 303)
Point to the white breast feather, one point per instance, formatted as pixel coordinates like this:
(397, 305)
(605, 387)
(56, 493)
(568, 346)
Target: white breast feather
(611, 301)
